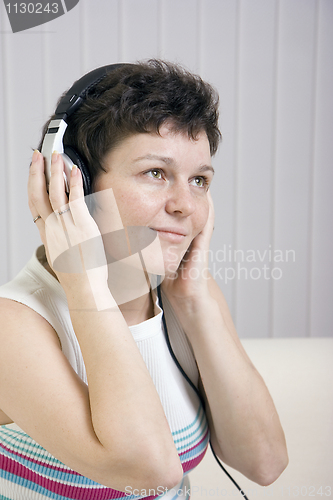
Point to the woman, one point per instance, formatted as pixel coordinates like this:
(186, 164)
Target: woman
(99, 404)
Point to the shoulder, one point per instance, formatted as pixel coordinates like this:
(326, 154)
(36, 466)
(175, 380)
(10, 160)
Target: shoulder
(18, 320)
(23, 332)
(33, 277)
(34, 297)
(26, 340)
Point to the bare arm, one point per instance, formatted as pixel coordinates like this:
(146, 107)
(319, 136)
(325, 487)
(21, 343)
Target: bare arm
(113, 431)
(4, 419)
(245, 428)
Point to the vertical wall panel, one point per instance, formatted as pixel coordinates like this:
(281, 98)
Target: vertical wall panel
(4, 221)
(24, 90)
(140, 33)
(180, 30)
(100, 26)
(219, 66)
(322, 240)
(62, 57)
(295, 95)
(255, 142)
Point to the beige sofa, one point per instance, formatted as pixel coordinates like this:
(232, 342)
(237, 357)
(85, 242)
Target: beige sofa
(299, 375)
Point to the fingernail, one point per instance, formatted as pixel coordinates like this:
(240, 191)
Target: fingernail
(35, 156)
(55, 156)
(74, 170)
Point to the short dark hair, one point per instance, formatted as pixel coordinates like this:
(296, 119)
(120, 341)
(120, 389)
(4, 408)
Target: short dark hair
(139, 98)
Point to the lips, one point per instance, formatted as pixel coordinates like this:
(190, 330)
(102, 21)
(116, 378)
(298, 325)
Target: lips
(172, 234)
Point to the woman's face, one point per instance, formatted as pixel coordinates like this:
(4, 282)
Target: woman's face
(161, 182)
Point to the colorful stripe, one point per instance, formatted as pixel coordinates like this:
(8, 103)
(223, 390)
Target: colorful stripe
(24, 463)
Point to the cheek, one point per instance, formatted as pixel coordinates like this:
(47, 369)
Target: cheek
(136, 209)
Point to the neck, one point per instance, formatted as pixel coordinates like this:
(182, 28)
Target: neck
(138, 310)
(131, 289)
(134, 311)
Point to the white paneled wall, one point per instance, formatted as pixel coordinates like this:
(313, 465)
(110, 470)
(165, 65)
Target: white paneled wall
(271, 61)
(294, 158)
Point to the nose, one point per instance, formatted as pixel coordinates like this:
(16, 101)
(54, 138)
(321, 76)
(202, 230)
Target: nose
(180, 200)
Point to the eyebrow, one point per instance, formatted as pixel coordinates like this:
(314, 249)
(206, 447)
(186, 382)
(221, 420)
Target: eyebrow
(168, 161)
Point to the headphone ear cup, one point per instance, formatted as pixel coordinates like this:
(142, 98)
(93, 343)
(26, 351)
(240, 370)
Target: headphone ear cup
(77, 160)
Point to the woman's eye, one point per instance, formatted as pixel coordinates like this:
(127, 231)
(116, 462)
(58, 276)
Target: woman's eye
(156, 174)
(200, 182)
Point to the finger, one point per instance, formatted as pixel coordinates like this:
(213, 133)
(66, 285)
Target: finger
(79, 209)
(202, 240)
(38, 198)
(55, 237)
(211, 205)
(39, 203)
(57, 193)
(87, 234)
(79, 213)
(209, 226)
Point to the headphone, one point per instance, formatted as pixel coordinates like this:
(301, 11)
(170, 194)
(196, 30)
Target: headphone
(53, 139)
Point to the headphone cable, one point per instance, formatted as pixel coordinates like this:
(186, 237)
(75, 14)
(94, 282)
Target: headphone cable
(196, 390)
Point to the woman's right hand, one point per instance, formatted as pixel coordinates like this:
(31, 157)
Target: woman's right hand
(101, 430)
(72, 240)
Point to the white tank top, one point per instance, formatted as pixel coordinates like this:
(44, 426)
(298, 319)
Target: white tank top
(28, 471)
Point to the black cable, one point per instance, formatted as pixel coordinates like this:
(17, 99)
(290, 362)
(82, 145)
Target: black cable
(196, 390)
(227, 473)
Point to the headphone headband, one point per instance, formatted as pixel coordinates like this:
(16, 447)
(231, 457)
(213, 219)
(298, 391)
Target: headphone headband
(75, 95)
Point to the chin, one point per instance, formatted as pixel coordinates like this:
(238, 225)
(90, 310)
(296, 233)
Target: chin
(172, 259)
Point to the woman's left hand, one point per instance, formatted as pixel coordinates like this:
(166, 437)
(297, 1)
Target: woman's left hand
(245, 429)
(189, 283)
